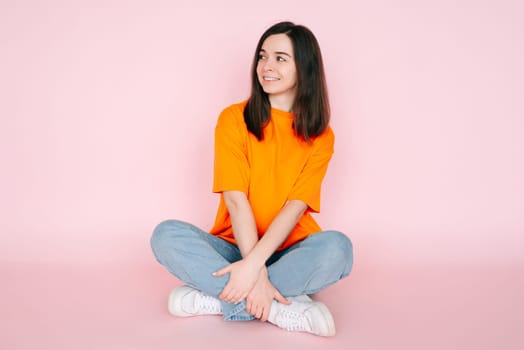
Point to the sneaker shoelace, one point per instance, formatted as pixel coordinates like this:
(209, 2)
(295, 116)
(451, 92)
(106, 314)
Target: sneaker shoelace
(207, 304)
(293, 321)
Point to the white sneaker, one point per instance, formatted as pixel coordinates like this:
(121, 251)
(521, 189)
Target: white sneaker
(185, 301)
(303, 316)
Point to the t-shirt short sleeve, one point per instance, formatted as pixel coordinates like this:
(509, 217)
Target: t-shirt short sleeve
(308, 184)
(231, 166)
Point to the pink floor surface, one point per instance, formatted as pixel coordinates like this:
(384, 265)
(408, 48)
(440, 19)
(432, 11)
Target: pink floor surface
(124, 307)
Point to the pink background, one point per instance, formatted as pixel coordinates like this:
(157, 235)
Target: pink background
(107, 115)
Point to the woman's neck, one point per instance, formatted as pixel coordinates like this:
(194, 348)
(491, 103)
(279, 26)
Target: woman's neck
(282, 102)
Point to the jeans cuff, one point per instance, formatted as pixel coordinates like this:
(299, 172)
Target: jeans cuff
(237, 313)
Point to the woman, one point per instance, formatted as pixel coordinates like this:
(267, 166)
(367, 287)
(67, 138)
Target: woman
(265, 253)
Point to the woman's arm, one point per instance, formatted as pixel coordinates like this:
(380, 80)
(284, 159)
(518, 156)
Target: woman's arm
(242, 220)
(261, 296)
(245, 273)
(242, 275)
(277, 232)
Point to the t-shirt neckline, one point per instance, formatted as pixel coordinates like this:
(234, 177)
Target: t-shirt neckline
(280, 113)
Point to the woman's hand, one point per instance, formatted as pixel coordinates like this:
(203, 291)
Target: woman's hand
(261, 296)
(242, 278)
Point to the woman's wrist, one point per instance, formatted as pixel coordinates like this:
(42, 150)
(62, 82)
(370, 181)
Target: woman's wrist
(256, 260)
(263, 272)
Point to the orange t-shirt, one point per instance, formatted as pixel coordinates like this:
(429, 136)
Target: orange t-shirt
(270, 172)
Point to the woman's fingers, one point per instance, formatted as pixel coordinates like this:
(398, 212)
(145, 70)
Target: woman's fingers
(242, 277)
(265, 314)
(259, 312)
(232, 296)
(256, 310)
(222, 271)
(278, 297)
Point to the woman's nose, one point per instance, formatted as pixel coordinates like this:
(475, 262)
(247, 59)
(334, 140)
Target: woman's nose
(268, 65)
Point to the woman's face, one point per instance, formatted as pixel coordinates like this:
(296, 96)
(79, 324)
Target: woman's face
(276, 70)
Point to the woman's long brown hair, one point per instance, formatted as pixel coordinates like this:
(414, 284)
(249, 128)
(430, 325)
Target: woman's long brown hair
(311, 104)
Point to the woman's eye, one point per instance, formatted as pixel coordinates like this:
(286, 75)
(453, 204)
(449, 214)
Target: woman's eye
(261, 57)
(281, 59)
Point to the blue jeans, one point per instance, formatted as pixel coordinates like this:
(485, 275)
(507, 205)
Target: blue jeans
(307, 267)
